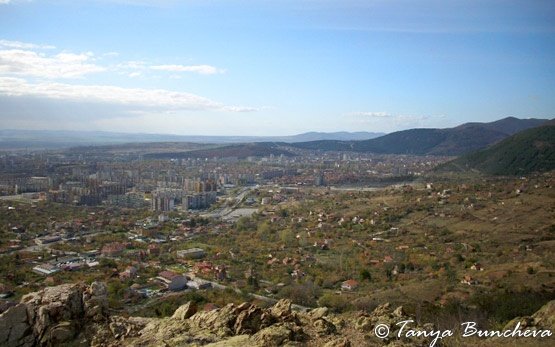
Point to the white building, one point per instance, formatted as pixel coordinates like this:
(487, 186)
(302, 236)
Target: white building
(191, 253)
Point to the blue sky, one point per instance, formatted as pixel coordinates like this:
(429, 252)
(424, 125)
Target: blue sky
(273, 67)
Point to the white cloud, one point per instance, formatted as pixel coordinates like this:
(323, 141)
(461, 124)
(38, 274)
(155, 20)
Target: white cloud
(200, 69)
(33, 91)
(370, 117)
(111, 54)
(371, 114)
(26, 59)
(132, 68)
(384, 121)
(134, 98)
(22, 45)
(133, 64)
(5, 1)
(240, 109)
(62, 65)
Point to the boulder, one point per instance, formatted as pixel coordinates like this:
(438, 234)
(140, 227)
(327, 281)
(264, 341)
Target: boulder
(59, 334)
(220, 321)
(98, 289)
(52, 316)
(318, 313)
(95, 300)
(324, 327)
(282, 309)
(545, 316)
(399, 312)
(185, 311)
(543, 319)
(14, 324)
(249, 321)
(275, 335)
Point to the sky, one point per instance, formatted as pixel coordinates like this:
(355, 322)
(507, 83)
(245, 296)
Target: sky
(273, 67)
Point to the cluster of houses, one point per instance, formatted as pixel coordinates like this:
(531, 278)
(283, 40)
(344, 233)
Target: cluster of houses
(68, 263)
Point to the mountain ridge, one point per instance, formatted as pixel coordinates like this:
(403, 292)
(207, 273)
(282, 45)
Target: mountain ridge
(12, 139)
(432, 141)
(532, 150)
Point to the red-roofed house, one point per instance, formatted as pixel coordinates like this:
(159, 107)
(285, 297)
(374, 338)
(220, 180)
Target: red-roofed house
(349, 285)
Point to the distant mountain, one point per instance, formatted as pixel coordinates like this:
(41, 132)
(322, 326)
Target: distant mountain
(509, 125)
(451, 141)
(33, 139)
(241, 151)
(318, 136)
(532, 150)
(139, 148)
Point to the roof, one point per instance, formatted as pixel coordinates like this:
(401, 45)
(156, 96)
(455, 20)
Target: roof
(167, 274)
(350, 283)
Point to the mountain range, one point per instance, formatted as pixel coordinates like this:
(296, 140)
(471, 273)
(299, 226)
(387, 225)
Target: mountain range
(454, 141)
(450, 142)
(51, 139)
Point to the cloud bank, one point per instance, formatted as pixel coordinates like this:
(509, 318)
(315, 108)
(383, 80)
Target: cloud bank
(27, 72)
(201, 69)
(135, 97)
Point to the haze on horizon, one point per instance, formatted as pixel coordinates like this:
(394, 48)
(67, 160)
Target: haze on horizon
(274, 67)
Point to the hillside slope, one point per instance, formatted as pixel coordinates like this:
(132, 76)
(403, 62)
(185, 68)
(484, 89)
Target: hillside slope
(532, 150)
(452, 141)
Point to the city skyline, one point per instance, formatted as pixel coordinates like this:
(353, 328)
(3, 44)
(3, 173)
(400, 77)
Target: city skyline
(277, 68)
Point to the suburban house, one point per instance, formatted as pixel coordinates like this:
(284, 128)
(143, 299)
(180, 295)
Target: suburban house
(46, 269)
(191, 253)
(198, 283)
(173, 281)
(48, 239)
(349, 285)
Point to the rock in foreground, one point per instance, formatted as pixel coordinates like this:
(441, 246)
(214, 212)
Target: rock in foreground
(77, 315)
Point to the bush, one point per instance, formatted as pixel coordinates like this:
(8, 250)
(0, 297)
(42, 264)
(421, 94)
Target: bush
(502, 307)
(304, 294)
(365, 275)
(336, 303)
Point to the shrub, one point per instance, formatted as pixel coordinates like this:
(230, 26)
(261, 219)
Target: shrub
(336, 303)
(365, 275)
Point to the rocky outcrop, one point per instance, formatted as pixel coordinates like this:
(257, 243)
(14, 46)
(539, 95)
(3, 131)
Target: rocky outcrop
(185, 311)
(53, 316)
(262, 327)
(386, 315)
(75, 314)
(543, 319)
(247, 324)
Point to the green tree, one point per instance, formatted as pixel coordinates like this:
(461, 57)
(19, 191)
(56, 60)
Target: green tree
(365, 275)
